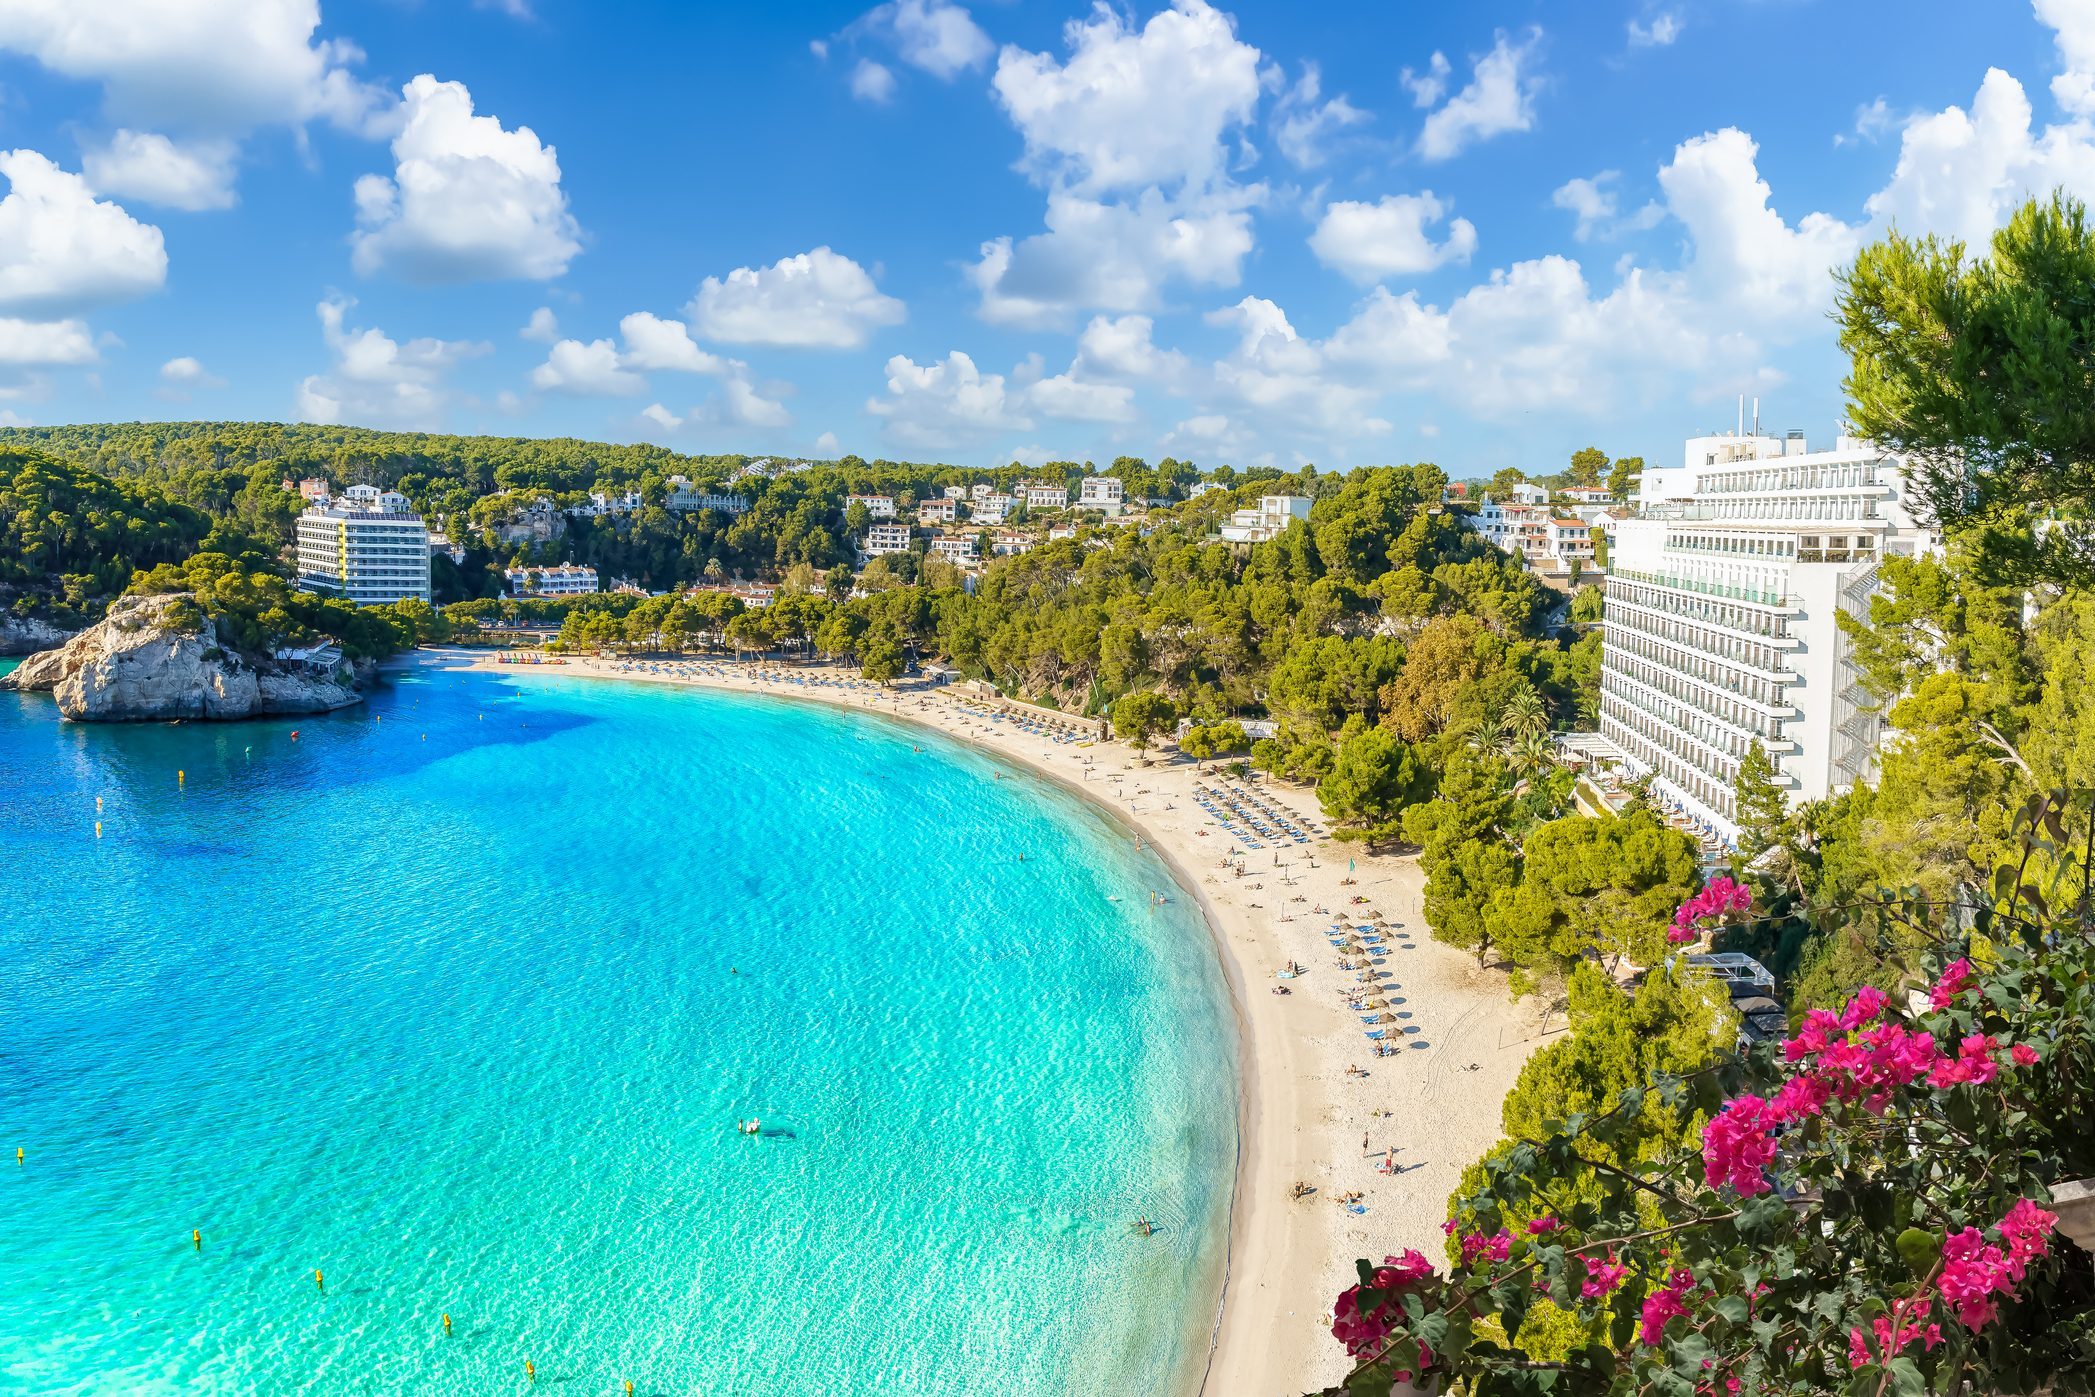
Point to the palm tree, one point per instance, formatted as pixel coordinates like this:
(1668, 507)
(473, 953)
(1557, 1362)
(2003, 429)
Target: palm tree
(1531, 755)
(1525, 714)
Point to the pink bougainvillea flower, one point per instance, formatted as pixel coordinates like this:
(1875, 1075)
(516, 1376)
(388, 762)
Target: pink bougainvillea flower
(1603, 1278)
(1543, 1226)
(1869, 1001)
(1738, 1144)
(2024, 1055)
(1663, 1304)
(1955, 976)
(1364, 1334)
(1496, 1247)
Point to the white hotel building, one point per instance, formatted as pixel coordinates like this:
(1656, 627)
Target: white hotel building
(1720, 630)
(367, 546)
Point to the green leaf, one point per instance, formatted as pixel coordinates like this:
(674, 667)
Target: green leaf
(1920, 1249)
(1906, 1377)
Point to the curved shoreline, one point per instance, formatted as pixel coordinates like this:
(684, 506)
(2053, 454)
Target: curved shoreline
(1296, 1106)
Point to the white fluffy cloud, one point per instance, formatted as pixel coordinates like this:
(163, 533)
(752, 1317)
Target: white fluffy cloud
(817, 300)
(2073, 26)
(62, 250)
(871, 81)
(944, 404)
(939, 37)
(45, 343)
(1500, 97)
(740, 403)
(190, 175)
(1133, 108)
(1744, 254)
(655, 343)
(1390, 237)
(222, 66)
(934, 36)
(601, 368)
(1662, 29)
(1110, 256)
(1132, 137)
(543, 326)
(468, 201)
(1125, 348)
(1304, 124)
(187, 372)
(1430, 85)
(588, 370)
(377, 381)
(1596, 205)
(1960, 173)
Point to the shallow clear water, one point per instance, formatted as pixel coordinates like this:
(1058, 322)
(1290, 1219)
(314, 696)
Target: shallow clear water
(458, 998)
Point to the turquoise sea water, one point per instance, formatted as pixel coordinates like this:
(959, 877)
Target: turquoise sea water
(457, 999)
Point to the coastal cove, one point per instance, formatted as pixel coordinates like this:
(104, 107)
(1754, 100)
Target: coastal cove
(483, 1057)
(1434, 1106)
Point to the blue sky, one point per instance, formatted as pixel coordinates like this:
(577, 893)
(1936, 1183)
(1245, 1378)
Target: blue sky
(1265, 233)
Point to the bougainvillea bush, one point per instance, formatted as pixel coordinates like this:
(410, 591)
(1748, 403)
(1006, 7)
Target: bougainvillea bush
(1868, 1211)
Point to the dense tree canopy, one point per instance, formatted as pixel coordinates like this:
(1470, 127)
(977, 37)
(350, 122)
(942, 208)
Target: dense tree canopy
(1979, 369)
(70, 538)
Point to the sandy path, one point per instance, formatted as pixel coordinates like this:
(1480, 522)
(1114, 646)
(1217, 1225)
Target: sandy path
(1302, 1116)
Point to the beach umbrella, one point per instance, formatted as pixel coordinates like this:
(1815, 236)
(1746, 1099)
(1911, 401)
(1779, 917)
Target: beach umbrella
(1378, 1004)
(1385, 1018)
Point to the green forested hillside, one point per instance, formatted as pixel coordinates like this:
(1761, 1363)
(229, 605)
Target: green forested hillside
(471, 485)
(70, 538)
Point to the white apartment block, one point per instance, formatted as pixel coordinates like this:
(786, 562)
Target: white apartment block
(368, 546)
(938, 511)
(953, 548)
(1520, 529)
(980, 490)
(877, 506)
(1102, 493)
(565, 580)
(1720, 627)
(1537, 534)
(1041, 496)
(1524, 493)
(882, 539)
(685, 497)
(993, 507)
(1570, 541)
(1268, 521)
(1006, 543)
(602, 502)
(956, 492)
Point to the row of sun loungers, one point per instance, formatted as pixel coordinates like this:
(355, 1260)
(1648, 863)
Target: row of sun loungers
(1263, 820)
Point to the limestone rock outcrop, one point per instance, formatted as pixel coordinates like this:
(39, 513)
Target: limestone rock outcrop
(25, 635)
(154, 658)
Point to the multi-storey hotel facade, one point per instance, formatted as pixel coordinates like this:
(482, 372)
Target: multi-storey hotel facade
(1721, 627)
(368, 546)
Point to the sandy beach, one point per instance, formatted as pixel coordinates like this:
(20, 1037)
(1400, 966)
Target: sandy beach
(1304, 1117)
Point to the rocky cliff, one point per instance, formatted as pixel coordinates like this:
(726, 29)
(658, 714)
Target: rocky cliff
(155, 658)
(25, 635)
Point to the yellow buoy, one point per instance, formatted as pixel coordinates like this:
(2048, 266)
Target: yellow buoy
(98, 829)
(530, 1373)
(196, 1235)
(181, 777)
(629, 1387)
(319, 1281)
(447, 1322)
